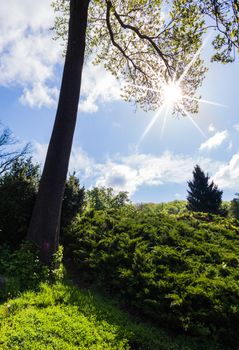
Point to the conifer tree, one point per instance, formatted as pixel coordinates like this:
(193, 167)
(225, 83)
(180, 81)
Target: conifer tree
(202, 195)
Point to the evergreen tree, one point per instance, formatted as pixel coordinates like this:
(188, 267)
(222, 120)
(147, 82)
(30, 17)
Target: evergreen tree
(202, 195)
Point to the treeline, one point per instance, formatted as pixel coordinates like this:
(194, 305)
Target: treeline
(19, 185)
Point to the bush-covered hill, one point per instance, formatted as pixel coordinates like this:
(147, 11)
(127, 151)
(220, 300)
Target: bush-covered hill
(181, 271)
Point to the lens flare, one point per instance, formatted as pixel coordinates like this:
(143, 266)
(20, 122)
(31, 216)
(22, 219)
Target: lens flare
(172, 93)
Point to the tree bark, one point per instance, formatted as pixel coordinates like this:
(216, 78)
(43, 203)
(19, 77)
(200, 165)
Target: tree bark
(45, 223)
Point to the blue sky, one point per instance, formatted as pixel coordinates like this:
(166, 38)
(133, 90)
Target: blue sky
(106, 150)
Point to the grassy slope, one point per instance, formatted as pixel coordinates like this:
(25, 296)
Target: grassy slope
(62, 317)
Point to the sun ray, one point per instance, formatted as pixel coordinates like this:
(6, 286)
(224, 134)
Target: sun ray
(165, 117)
(172, 96)
(144, 87)
(193, 121)
(204, 101)
(185, 72)
(151, 123)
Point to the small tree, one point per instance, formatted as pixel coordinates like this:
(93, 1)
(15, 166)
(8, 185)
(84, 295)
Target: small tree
(100, 198)
(73, 200)
(202, 195)
(234, 209)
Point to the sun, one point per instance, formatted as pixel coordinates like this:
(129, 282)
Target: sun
(172, 93)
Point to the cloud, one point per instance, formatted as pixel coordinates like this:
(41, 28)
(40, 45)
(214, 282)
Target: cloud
(129, 173)
(211, 128)
(214, 141)
(228, 174)
(40, 95)
(236, 126)
(28, 55)
(98, 86)
(39, 152)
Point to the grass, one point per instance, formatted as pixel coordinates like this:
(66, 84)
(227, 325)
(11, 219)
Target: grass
(60, 316)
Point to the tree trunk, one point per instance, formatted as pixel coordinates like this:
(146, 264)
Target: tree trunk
(45, 222)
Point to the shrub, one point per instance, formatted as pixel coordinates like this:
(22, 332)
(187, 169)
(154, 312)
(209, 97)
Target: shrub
(179, 270)
(18, 188)
(73, 200)
(21, 269)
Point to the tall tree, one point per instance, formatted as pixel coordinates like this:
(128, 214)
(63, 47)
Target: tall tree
(133, 40)
(202, 195)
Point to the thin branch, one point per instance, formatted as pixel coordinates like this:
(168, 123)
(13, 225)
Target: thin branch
(140, 35)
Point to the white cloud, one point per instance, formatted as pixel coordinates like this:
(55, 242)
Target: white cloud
(39, 152)
(214, 141)
(236, 126)
(29, 55)
(40, 95)
(98, 85)
(211, 128)
(228, 174)
(230, 145)
(129, 173)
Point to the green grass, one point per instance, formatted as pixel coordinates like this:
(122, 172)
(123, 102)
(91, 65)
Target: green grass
(63, 317)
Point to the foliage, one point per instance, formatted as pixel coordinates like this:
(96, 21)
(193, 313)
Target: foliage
(100, 198)
(62, 317)
(73, 200)
(18, 188)
(202, 195)
(179, 270)
(174, 207)
(234, 209)
(21, 269)
(135, 40)
(222, 15)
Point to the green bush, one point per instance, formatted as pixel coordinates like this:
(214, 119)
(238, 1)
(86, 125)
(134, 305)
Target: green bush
(21, 270)
(18, 188)
(73, 200)
(179, 270)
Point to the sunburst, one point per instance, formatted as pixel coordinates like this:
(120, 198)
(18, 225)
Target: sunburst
(174, 97)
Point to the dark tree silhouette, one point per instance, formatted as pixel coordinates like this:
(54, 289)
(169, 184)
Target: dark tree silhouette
(202, 195)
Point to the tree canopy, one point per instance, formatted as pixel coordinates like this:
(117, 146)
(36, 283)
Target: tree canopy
(223, 17)
(147, 44)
